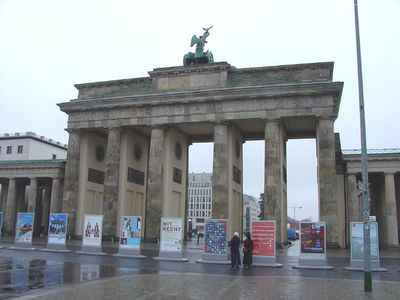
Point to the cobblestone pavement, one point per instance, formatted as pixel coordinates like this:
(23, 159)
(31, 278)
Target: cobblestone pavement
(44, 275)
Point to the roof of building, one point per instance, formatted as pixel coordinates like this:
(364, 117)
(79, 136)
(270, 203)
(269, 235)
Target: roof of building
(32, 135)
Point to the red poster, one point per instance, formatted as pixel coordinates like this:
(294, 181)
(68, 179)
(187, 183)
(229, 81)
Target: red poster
(263, 234)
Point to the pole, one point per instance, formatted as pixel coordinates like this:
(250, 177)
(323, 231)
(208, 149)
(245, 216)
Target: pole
(364, 163)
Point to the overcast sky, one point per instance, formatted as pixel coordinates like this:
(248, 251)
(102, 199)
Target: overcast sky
(48, 46)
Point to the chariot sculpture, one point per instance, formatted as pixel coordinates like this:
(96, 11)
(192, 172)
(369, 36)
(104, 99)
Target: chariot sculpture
(199, 57)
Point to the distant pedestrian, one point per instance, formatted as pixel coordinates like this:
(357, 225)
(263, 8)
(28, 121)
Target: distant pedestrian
(235, 254)
(247, 251)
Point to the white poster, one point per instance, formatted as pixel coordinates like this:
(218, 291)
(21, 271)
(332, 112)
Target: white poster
(357, 241)
(171, 234)
(92, 230)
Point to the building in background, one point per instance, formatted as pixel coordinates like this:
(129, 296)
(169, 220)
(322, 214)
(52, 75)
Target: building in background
(251, 211)
(32, 171)
(200, 200)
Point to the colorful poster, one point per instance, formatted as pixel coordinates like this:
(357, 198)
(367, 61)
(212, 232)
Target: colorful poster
(357, 241)
(171, 234)
(263, 235)
(312, 239)
(215, 239)
(24, 230)
(1, 223)
(92, 230)
(57, 228)
(130, 232)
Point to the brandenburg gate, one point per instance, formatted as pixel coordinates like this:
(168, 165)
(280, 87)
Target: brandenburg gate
(128, 141)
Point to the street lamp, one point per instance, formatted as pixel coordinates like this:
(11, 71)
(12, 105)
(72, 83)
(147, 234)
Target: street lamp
(294, 210)
(364, 164)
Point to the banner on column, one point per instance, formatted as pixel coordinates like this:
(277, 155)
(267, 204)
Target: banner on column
(1, 223)
(57, 228)
(171, 234)
(130, 232)
(312, 240)
(357, 241)
(215, 239)
(263, 235)
(24, 229)
(92, 230)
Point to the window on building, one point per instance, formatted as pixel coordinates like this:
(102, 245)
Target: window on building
(53, 156)
(20, 149)
(0, 149)
(9, 149)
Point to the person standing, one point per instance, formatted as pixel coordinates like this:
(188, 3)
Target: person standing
(247, 251)
(235, 254)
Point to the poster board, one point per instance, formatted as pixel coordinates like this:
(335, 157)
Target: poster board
(57, 228)
(313, 240)
(24, 227)
(357, 241)
(92, 230)
(215, 236)
(263, 235)
(130, 232)
(171, 234)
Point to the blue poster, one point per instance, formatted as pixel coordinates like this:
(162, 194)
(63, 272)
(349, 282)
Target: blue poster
(57, 228)
(24, 230)
(215, 241)
(130, 232)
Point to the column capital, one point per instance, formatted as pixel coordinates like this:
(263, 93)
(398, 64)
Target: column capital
(272, 120)
(329, 118)
(389, 173)
(221, 122)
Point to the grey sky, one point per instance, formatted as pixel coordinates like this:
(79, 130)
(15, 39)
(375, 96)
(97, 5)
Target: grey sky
(48, 46)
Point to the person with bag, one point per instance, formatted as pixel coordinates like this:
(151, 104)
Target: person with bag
(247, 251)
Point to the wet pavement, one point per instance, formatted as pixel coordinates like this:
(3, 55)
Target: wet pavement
(49, 275)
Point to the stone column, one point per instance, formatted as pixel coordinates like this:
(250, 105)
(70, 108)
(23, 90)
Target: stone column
(3, 196)
(220, 205)
(111, 180)
(273, 175)
(55, 200)
(46, 208)
(9, 217)
(70, 196)
(327, 179)
(33, 191)
(155, 183)
(391, 211)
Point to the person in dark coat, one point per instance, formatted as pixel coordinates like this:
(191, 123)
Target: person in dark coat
(235, 254)
(247, 251)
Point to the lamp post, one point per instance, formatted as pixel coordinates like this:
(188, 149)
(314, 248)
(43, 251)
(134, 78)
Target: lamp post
(294, 210)
(364, 163)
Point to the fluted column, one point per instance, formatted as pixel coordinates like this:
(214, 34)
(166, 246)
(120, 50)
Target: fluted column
(155, 178)
(391, 211)
(220, 205)
(353, 201)
(55, 198)
(46, 207)
(71, 181)
(111, 180)
(273, 175)
(33, 191)
(9, 217)
(327, 178)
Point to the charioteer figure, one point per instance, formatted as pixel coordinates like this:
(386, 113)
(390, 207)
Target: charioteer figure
(199, 57)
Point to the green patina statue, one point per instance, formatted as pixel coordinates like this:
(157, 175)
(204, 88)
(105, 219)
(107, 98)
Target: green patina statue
(199, 57)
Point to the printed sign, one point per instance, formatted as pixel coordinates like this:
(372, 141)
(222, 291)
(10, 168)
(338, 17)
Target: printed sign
(312, 239)
(57, 228)
(130, 232)
(263, 235)
(92, 230)
(215, 240)
(24, 229)
(171, 234)
(357, 241)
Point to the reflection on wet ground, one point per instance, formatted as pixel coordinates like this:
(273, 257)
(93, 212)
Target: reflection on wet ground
(18, 276)
(23, 272)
